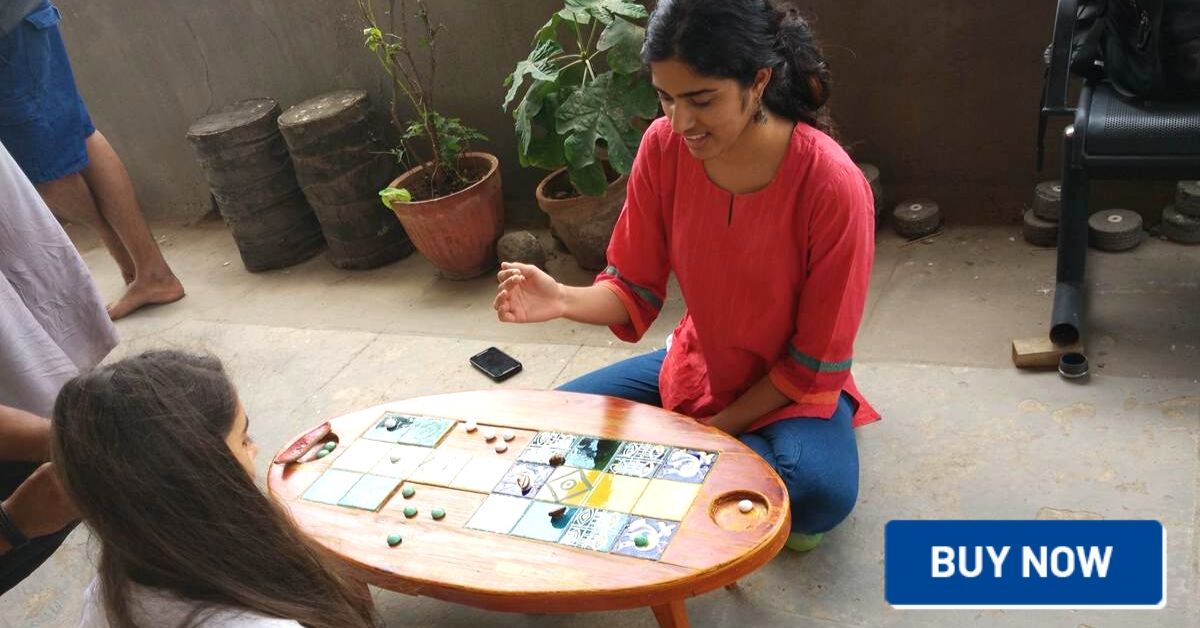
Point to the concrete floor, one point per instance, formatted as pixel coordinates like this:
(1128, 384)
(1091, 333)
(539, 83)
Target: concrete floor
(965, 434)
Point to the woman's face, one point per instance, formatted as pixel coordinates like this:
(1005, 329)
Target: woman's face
(710, 113)
(243, 447)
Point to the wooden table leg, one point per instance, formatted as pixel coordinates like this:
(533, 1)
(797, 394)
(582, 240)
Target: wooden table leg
(671, 615)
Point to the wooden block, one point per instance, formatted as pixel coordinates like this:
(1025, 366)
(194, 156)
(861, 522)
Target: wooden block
(1039, 352)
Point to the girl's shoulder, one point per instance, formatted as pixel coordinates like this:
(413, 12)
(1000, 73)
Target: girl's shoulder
(162, 608)
(819, 154)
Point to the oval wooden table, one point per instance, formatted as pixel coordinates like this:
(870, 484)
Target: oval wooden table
(714, 543)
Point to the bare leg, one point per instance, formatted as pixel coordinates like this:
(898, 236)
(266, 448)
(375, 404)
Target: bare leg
(112, 190)
(71, 200)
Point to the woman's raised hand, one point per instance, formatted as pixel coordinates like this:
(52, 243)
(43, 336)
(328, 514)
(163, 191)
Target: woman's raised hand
(527, 295)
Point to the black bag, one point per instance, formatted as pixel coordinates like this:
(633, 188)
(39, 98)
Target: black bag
(1145, 48)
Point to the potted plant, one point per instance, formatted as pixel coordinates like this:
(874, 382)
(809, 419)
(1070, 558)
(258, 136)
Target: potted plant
(581, 115)
(449, 199)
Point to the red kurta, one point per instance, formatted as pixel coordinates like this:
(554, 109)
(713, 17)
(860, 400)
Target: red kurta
(775, 280)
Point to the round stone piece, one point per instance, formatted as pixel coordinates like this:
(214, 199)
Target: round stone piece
(408, 491)
(489, 434)
(501, 447)
(745, 505)
(557, 460)
(438, 514)
(558, 512)
(330, 446)
(391, 423)
(394, 539)
(1115, 230)
(508, 435)
(917, 218)
(395, 457)
(323, 453)
(471, 426)
(410, 511)
(523, 247)
(641, 540)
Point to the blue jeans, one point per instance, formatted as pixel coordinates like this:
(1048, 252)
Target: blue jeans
(817, 459)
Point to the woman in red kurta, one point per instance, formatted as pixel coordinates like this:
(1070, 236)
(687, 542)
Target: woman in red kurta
(769, 228)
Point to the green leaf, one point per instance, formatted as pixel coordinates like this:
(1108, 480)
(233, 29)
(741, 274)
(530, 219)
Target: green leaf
(623, 41)
(548, 31)
(604, 110)
(394, 195)
(576, 15)
(604, 10)
(538, 66)
(589, 179)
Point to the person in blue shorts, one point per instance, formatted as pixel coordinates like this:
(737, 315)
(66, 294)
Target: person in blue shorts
(46, 127)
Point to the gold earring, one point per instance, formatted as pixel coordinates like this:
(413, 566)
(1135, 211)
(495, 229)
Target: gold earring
(760, 116)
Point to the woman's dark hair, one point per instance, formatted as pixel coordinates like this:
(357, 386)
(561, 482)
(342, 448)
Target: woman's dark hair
(735, 39)
(140, 446)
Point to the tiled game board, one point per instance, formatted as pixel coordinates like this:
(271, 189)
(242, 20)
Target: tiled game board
(622, 497)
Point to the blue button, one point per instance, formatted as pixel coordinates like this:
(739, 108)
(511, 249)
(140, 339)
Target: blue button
(1025, 564)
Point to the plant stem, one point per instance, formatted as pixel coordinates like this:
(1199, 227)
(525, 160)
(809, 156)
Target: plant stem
(591, 35)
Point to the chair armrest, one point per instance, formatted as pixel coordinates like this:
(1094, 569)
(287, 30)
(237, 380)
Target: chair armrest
(1058, 76)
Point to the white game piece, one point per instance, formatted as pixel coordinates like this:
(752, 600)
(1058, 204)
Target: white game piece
(395, 457)
(508, 435)
(471, 426)
(391, 423)
(489, 434)
(501, 448)
(745, 505)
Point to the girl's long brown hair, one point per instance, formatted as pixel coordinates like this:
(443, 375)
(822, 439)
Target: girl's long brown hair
(140, 446)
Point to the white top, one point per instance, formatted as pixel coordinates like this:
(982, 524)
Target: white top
(159, 608)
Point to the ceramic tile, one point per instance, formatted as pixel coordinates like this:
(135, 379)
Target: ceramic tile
(370, 492)
(546, 444)
(638, 459)
(658, 534)
(407, 459)
(590, 452)
(481, 474)
(380, 432)
(538, 524)
(331, 486)
(666, 499)
(616, 492)
(439, 468)
(594, 529)
(362, 456)
(426, 432)
(568, 486)
(687, 465)
(536, 473)
(498, 513)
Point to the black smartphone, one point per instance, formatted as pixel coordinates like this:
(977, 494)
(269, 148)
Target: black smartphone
(496, 364)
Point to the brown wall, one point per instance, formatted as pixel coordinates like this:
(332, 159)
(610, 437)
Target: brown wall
(941, 94)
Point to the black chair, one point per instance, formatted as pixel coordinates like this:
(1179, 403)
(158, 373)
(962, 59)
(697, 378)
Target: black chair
(1112, 137)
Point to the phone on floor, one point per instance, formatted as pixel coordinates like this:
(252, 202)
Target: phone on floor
(496, 364)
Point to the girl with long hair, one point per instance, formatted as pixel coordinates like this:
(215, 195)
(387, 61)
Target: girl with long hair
(155, 452)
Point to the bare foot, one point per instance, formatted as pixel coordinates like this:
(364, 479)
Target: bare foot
(148, 291)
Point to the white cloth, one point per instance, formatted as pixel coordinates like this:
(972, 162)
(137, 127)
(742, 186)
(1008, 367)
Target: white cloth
(156, 608)
(52, 321)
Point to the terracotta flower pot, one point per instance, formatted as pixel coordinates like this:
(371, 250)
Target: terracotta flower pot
(584, 223)
(457, 233)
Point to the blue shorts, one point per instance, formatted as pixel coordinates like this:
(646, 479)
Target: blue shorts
(43, 121)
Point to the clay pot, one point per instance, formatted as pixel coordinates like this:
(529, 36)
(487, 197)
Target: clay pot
(457, 233)
(584, 223)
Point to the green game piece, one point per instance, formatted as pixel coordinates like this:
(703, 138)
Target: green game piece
(393, 540)
(408, 491)
(330, 446)
(322, 453)
(410, 511)
(641, 540)
(437, 514)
